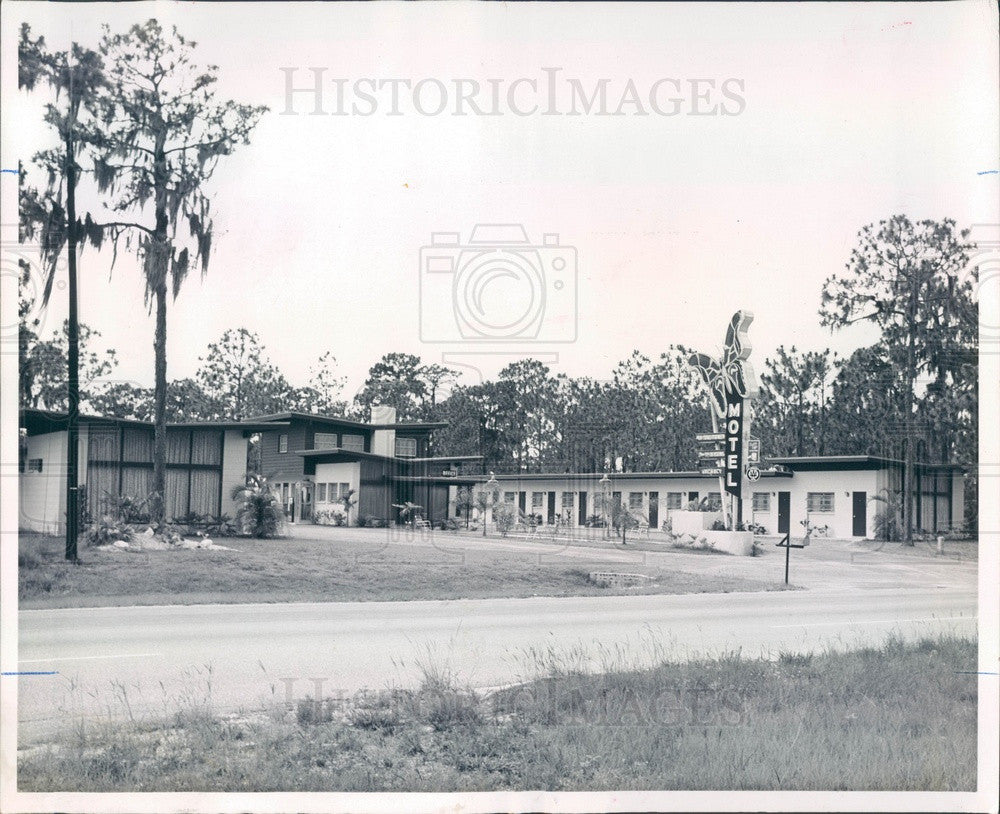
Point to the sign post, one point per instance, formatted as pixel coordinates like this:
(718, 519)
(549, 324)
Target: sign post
(788, 545)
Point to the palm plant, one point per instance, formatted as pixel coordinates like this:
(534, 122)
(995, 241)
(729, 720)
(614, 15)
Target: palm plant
(259, 512)
(888, 518)
(348, 501)
(407, 511)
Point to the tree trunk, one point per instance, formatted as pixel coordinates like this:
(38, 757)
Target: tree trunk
(908, 428)
(160, 405)
(73, 379)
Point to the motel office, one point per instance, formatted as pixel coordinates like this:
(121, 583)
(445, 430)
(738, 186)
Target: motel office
(314, 460)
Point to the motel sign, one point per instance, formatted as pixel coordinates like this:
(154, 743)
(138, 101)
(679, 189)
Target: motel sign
(730, 384)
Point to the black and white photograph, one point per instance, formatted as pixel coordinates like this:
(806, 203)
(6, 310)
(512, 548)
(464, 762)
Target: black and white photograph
(478, 406)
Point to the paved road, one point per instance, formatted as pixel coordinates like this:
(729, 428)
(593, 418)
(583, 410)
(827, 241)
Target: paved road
(149, 660)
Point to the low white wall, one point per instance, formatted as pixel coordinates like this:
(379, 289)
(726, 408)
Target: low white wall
(685, 522)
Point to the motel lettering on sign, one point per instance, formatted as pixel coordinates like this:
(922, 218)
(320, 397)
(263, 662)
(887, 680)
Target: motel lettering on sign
(734, 443)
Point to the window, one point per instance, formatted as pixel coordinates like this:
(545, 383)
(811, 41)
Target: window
(321, 493)
(635, 501)
(406, 447)
(675, 501)
(568, 499)
(537, 500)
(509, 497)
(762, 501)
(283, 443)
(819, 502)
(355, 443)
(325, 440)
(34, 464)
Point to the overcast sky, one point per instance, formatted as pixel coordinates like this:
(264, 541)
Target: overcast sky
(849, 114)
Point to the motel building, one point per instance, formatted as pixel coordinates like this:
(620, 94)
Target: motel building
(835, 491)
(312, 461)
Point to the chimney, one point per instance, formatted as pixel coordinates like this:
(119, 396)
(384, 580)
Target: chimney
(384, 441)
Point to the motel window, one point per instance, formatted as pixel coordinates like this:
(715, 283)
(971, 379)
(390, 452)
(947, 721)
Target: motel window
(675, 500)
(406, 447)
(762, 501)
(321, 493)
(714, 500)
(537, 500)
(819, 502)
(568, 500)
(325, 440)
(283, 443)
(510, 497)
(342, 490)
(34, 464)
(355, 443)
(635, 501)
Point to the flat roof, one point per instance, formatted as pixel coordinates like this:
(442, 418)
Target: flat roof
(765, 473)
(335, 451)
(350, 422)
(52, 421)
(840, 462)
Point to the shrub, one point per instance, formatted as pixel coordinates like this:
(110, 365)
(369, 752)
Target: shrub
(504, 517)
(448, 525)
(330, 517)
(667, 526)
(127, 508)
(106, 530)
(259, 512)
(718, 525)
(372, 521)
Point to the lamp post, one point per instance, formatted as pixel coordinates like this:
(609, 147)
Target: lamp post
(493, 489)
(605, 484)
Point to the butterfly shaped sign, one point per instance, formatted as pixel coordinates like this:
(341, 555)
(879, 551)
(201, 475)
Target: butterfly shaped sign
(732, 375)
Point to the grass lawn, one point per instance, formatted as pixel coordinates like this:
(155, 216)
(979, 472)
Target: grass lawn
(290, 570)
(896, 717)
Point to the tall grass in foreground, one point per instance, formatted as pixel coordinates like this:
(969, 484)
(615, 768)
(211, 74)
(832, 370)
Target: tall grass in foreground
(896, 717)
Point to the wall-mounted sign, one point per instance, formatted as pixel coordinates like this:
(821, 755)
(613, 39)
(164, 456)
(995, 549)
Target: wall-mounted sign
(753, 474)
(753, 451)
(450, 473)
(710, 436)
(712, 471)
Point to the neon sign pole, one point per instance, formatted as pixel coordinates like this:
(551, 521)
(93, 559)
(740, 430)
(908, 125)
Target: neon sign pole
(731, 384)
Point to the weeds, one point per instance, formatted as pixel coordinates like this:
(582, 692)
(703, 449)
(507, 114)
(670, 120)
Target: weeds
(897, 717)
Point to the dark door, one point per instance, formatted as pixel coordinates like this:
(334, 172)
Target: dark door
(583, 509)
(552, 508)
(784, 512)
(522, 501)
(654, 510)
(859, 515)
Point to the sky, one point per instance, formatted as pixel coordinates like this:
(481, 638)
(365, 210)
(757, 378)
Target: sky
(842, 115)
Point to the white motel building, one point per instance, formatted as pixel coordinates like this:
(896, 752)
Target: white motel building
(387, 462)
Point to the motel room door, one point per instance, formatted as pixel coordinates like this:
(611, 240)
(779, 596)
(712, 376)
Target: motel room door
(552, 509)
(859, 514)
(654, 510)
(784, 512)
(582, 517)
